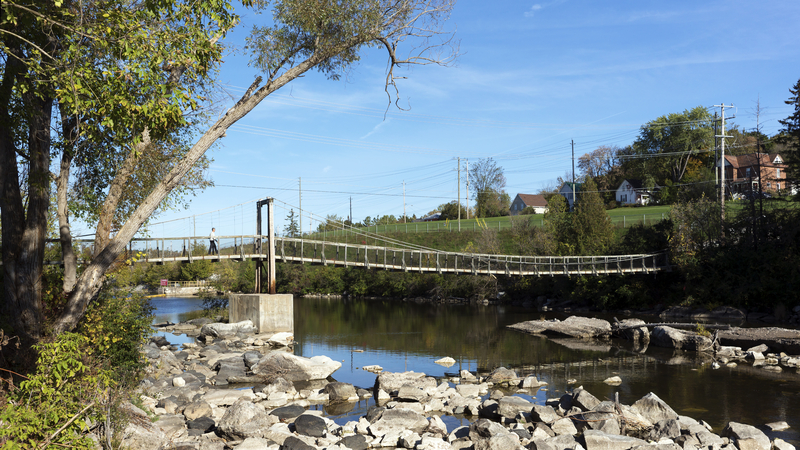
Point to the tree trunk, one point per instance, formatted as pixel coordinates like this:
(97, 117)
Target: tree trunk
(27, 254)
(91, 280)
(68, 257)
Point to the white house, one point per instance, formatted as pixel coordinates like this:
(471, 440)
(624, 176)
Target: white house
(522, 201)
(566, 191)
(633, 192)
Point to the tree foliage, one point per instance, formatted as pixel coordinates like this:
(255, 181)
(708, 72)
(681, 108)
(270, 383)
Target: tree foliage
(125, 81)
(488, 182)
(667, 144)
(592, 230)
(790, 138)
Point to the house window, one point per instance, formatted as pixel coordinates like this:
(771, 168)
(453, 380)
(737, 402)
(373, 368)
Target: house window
(777, 173)
(747, 173)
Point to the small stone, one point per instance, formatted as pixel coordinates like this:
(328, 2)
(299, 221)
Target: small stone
(777, 426)
(446, 361)
(178, 382)
(613, 381)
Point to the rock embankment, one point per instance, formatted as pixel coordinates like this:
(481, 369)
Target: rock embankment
(187, 403)
(769, 347)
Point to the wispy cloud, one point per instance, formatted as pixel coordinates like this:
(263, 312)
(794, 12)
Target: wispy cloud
(540, 6)
(531, 12)
(326, 169)
(375, 129)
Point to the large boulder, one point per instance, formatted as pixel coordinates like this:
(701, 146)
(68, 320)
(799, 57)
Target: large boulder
(510, 406)
(584, 400)
(295, 368)
(573, 326)
(597, 440)
(244, 420)
(669, 337)
(746, 436)
(340, 392)
(227, 329)
(393, 381)
(632, 330)
(397, 419)
(140, 433)
(654, 409)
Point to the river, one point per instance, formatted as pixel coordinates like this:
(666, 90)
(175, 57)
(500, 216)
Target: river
(400, 336)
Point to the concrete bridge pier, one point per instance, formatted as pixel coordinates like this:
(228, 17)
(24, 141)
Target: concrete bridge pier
(270, 313)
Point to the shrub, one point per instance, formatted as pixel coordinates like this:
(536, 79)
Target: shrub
(68, 390)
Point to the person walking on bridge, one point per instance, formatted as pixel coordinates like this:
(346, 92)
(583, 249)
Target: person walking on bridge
(212, 246)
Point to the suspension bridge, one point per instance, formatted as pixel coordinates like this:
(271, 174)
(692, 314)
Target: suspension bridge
(393, 254)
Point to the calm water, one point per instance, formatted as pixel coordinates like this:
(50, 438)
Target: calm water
(406, 336)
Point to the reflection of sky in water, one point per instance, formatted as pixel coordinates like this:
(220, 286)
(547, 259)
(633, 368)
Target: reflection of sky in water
(175, 310)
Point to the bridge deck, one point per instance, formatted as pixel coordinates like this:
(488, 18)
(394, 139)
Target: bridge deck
(422, 261)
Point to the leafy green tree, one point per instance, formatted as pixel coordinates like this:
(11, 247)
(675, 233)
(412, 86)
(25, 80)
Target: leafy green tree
(292, 229)
(450, 210)
(488, 181)
(592, 230)
(125, 84)
(665, 146)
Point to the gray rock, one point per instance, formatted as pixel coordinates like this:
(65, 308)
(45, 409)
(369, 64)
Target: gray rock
(665, 429)
(509, 407)
(603, 418)
(638, 334)
(746, 435)
(762, 348)
(243, 420)
(584, 400)
(354, 442)
(227, 329)
(140, 433)
(654, 409)
(565, 442)
(173, 426)
(485, 428)
(205, 424)
(196, 410)
(287, 413)
(597, 440)
(539, 444)
(777, 426)
(573, 326)
(296, 368)
(504, 441)
(393, 381)
(311, 425)
(398, 419)
(340, 392)
(295, 443)
(564, 426)
(501, 374)
(252, 358)
(669, 337)
(780, 444)
(409, 393)
(544, 413)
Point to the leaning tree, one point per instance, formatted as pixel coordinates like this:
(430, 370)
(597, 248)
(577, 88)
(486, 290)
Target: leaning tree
(96, 94)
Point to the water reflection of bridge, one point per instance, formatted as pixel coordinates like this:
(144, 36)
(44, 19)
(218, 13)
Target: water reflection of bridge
(241, 248)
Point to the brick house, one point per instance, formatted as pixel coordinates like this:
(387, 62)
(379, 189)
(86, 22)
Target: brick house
(743, 172)
(522, 201)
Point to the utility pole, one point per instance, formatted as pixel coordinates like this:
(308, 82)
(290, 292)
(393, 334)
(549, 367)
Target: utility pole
(458, 203)
(722, 171)
(467, 199)
(572, 206)
(404, 201)
(716, 151)
(351, 211)
(300, 200)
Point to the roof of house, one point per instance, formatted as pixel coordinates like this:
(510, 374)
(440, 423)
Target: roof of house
(637, 184)
(752, 160)
(569, 185)
(533, 200)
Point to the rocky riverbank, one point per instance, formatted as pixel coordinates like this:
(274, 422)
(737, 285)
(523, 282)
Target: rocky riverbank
(233, 389)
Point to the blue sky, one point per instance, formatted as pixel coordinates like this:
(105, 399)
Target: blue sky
(531, 77)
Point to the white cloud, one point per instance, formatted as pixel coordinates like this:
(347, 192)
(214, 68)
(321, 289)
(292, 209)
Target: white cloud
(326, 169)
(375, 129)
(532, 11)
